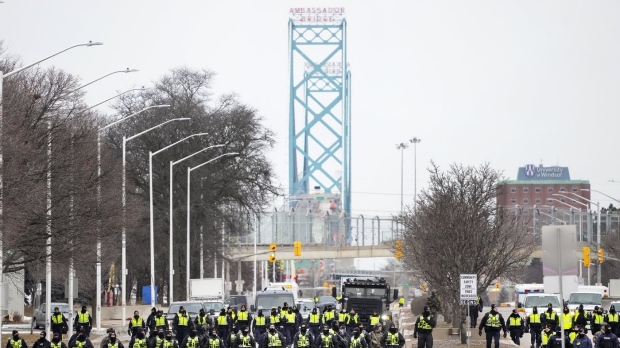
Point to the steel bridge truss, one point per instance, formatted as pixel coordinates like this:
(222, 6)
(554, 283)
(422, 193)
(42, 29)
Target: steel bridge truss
(319, 110)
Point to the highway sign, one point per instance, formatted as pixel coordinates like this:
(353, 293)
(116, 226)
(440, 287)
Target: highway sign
(469, 288)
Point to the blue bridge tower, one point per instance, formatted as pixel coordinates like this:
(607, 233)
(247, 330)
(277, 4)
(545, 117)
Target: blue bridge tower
(320, 110)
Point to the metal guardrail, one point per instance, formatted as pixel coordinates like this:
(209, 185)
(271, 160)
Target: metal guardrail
(321, 229)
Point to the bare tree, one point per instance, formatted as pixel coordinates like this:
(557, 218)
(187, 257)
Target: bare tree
(458, 228)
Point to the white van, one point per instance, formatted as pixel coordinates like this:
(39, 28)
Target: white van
(540, 301)
(523, 289)
(603, 290)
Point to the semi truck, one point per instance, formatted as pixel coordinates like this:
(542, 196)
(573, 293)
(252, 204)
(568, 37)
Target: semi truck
(368, 295)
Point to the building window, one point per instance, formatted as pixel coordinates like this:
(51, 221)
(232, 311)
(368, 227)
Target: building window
(526, 201)
(575, 189)
(526, 189)
(537, 190)
(549, 189)
(513, 189)
(562, 200)
(538, 200)
(549, 200)
(513, 201)
(562, 189)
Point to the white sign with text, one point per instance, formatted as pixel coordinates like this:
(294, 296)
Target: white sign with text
(469, 288)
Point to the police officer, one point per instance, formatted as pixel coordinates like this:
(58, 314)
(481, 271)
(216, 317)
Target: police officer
(351, 321)
(550, 317)
(160, 322)
(139, 340)
(325, 339)
(274, 318)
(57, 341)
(375, 319)
(169, 342)
(566, 321)
(515, 326)
(423, 329)
(259, 324)
(401, 302)
(222, 324)
(85, 320)
(150, 324)
(545, 336)
(493, 323)
(393, 338)
(192, 340)
(357, 340)
(611, 318)
(303, 338)
(534, 324)
(596, 322)
(59, 322)
(608, 339)
(342, 316)
(582, 341)
(135, 323)
(243, 317)
(314, 322)
(81, 341)
(181, 324)
(328, 316)
(113, 342)
(41, 342)
(155, 341)
(202, 322)
(245, 340)
(273, 338)
(581, 317)
(290, 325)
(212, 340)
(474, 310)
(231, 340)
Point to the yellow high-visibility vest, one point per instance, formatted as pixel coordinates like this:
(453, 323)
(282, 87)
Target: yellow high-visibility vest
(314, 319)
(243, 316)
(374, 320)
(83, 318)
(222, 320)
(260, 321)
(183, 321)
(534, 318)
(139, 343)
(302, 341)
(214, 343)
(493, 320)
(15, 344)
(57, 318)
(161, 321)
(422, 324)
(192, 342)
(514, 322)
(274, 340)
(136, 322)
(392, 339)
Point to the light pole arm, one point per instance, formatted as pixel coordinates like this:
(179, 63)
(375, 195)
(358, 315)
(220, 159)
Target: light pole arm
(610, 197)
(48, 57)
(559, 201)
(178, 142)
(134, 114)
(103, 77)
(159, 125)
(585, 205)
(197, 152)
(116, 96)
(211, 160)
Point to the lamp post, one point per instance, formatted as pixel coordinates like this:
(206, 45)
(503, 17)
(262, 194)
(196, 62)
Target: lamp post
(151, 154)
(116, 96)
(48, 249)
(49, 213)
(401, 147)
(171, 215)
(99, 131)
(189, 172)
(415, 142)
(598, 232)
(124, 199)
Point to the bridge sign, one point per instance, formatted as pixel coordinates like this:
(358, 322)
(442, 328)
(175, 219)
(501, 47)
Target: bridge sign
(469, 289)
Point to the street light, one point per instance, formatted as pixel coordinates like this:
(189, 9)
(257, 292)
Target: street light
(401, 147)
(151, 154)
(171, 215)
(47, 267)
(116, 96)
(99, 131)
(598, 231)
(572, 199)
(189, 172)
(415, 142)
(124, 199)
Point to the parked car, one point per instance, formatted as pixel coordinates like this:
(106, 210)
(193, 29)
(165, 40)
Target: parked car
(213, 308)
(324, 301)
(305, 305)
(191, 307)
(38, 319)
(235, 302)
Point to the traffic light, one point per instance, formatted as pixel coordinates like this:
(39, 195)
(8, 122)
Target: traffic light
(424, 288)
(600, 255)
(586, 256)
(297, 248)
(497, 286)
(272, 255)
(399, 249)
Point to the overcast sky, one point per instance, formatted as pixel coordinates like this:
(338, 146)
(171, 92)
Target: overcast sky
(505, 82)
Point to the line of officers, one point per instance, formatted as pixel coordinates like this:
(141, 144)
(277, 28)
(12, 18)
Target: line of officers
(282, 327)
(546, 328)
